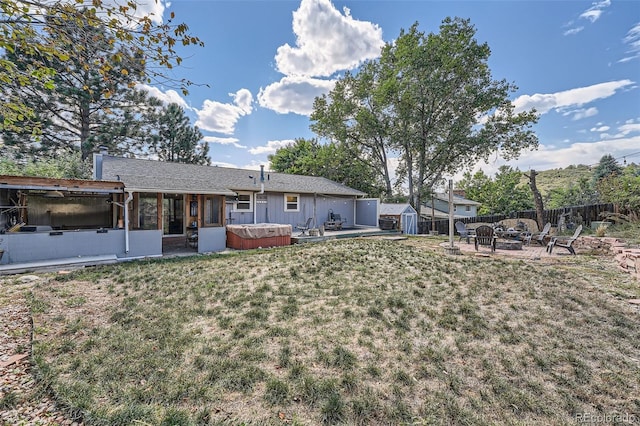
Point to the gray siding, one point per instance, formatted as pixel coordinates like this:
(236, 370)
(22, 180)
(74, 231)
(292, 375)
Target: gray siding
(24, 247)
(145, 243)
(212, 239)
(367, 212)
(273, 210)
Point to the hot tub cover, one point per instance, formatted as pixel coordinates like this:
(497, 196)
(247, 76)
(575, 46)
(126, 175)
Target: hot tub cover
(260, 230)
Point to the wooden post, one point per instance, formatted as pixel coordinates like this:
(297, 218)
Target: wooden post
(537, 198)
(451, 249)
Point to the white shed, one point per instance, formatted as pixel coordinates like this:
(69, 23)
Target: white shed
(406, 216)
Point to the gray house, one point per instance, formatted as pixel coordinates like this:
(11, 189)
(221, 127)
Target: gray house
(177, 199)
(139, 208)
(462, 207)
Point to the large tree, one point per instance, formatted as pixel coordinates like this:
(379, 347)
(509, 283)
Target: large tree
(87, 106)
(502, 194)
(40, 28)
(432, 101)
(333, 161)
(175, 139)
(353, 115)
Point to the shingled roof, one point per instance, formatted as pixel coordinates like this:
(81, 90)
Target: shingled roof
(158, 176)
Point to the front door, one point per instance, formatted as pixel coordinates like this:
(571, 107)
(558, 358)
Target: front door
(173, 214)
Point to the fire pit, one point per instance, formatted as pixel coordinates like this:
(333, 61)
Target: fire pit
(508, 245)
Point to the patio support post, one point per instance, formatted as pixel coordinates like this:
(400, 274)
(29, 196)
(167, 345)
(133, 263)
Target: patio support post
(126, 221)
(451, 249)
(451, 212)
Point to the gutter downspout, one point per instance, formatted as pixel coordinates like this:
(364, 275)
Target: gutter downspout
(126, 221)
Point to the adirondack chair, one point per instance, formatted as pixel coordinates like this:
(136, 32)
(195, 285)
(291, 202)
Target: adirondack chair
(485, 237)
(304, 227)
(540, 236)
(565, 243)
(462, 230)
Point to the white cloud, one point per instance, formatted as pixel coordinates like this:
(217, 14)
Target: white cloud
(223, 141)
(223, 164)
(624, 143)
(595, 11)
(293, 94)
(592, 14)
(600, 129)
(255, 165)
(544, 103)
(633, 40)
(168, 97)
(623, 131)
(327, 41)
(222, 118)
(579, 114)
(271, 147)
(573, 31)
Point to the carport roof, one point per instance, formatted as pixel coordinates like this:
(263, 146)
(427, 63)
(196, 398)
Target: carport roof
(55, 184)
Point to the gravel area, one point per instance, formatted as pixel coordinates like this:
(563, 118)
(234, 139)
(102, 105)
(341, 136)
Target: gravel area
(22, 400)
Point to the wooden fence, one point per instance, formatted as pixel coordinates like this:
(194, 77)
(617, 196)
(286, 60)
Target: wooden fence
(573, 215)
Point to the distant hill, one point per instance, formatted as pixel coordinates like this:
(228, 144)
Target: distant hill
(547, 180)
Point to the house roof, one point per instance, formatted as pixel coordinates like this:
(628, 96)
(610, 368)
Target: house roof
(458, 200)
(391, 209)
(159, 176)
(425, 211)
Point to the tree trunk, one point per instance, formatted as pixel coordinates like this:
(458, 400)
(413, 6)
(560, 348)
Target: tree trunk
(537, 198)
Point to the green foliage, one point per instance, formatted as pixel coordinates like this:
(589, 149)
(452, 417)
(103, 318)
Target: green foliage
(67, 164)
(501, 195)
(88, 105)
(422, 99)
(622, 189)
(548, 180)
(335, 161)
(575, 194)
(40, 30)
(606, 167)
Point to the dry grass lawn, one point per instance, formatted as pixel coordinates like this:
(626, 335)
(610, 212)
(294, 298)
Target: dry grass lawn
(358, 331)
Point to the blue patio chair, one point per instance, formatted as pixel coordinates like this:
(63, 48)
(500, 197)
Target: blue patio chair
(304, 227)
(463, 231)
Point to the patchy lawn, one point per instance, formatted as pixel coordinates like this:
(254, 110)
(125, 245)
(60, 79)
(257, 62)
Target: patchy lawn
(358, 331)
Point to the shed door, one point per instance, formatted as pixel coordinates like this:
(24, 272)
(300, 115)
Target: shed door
(409, 223)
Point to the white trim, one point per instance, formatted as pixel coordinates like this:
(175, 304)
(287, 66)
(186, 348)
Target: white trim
(249, 202)
(287, 210)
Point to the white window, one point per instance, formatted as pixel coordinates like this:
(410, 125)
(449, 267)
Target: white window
(244, 202)
(467, 208)
(291, 202)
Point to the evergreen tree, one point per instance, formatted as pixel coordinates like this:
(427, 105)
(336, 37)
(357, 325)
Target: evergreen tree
(607, 166)
(176, 140)
(40, 28)
(88, 105)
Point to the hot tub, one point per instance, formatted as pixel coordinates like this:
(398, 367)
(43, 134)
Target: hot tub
(245, 237)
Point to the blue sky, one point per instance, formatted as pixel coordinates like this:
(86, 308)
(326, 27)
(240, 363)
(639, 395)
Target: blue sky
(576, 62)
